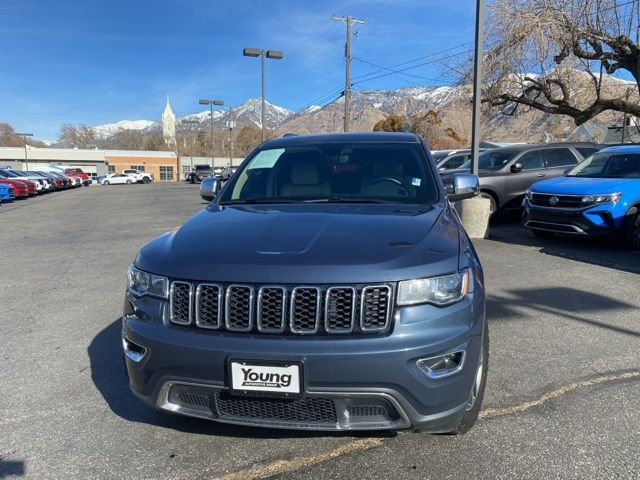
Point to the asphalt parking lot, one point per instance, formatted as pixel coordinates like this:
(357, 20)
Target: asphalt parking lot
(562, 401)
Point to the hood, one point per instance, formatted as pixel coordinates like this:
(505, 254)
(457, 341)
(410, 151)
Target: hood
(582, 186)
(307, 244)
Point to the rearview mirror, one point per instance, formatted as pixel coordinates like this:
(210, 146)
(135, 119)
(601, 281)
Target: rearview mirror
(516, 167)
(209, 188)
(465, 185)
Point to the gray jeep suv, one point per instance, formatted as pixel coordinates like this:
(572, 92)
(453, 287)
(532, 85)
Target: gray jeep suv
(329, 286)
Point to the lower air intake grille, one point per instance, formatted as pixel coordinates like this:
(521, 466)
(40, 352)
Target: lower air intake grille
(193, 399)
(304, 410)
(367, 411)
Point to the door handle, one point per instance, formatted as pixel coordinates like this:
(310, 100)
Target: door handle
(541, 175)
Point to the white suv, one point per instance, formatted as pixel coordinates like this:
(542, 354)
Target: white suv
(139, 175)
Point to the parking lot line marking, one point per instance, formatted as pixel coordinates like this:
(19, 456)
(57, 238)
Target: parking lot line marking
(523, 407)
(285, 466)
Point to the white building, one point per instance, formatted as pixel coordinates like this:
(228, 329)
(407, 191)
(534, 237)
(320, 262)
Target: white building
(169, 125)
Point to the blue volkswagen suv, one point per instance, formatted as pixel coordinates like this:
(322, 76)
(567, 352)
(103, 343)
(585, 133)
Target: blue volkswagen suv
(330, 286)
(600, 196)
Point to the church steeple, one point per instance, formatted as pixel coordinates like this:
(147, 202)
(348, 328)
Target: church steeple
(169, 125)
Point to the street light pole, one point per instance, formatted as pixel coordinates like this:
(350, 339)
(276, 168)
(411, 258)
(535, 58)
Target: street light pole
(477, 88)
(274, 55)
(26, 155)
(211, 103)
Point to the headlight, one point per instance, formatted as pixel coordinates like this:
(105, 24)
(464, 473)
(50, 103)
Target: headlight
(143, 283)
(598, 199)
(440, 291)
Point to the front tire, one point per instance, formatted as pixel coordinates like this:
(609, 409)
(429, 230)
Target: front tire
(474, 403)
(145, 180)
(493, 209)
(128, 182)
(631, 229)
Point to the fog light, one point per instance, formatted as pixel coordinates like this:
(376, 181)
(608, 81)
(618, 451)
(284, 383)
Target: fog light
(132, 350)
(442, 366)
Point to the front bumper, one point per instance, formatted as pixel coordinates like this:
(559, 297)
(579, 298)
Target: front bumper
(590, 221)
(350, 383)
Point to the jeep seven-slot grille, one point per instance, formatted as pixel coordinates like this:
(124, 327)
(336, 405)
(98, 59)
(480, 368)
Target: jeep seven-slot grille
(279, 309)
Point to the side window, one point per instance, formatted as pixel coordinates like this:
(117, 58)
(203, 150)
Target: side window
(560, 157)
(532, 160)
(587, 151)
(456, 161)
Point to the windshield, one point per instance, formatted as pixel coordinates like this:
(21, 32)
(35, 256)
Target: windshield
(608, 165)
(492, 160)
(203, 167)
(334, 173)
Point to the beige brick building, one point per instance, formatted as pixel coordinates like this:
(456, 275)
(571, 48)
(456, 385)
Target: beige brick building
(163, 165)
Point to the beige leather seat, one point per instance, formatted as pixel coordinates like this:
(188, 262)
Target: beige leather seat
(305, 182)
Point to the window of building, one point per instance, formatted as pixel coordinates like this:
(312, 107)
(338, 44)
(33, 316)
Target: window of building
(111, 169)
(166, 172)
(138, 167)
(185, 171)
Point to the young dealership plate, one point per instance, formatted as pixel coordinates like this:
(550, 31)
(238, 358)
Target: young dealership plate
(265, 378)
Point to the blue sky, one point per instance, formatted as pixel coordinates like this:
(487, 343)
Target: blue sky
(100, 61)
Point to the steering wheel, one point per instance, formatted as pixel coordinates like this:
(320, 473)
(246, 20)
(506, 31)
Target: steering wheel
(403, 192)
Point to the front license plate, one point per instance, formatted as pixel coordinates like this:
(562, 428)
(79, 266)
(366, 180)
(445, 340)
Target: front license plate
(279, 379)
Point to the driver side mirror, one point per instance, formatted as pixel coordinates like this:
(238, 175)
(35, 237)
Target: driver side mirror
(465, 185)
(516, 167)
(209, 188)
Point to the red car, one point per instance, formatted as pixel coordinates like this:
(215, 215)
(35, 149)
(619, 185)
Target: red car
(77, 172)
(20, 188)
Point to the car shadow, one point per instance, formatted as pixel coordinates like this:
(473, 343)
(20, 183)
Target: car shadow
(568, 303)
(11, 468)
(601, 251)
(109, 376)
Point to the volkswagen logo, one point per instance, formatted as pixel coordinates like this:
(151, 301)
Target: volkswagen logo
(554, 201)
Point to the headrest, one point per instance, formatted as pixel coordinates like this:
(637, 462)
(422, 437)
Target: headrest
(304, 173)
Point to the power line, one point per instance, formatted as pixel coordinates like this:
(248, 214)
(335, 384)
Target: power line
(412, 66)
(389, 69)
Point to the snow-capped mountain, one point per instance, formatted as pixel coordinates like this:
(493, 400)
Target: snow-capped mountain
(108, 129)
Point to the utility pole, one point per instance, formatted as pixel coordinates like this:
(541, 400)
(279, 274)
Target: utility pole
(26, 155)
(348, 21)
(624, 119)
(477, 88)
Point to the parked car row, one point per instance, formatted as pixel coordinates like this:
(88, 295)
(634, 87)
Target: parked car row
(579, 189)
(200, 172)
(22, 184)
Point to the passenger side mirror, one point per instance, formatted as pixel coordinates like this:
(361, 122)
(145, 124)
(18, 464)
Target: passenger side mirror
(465, 185)
(516, 167)
(209, 188)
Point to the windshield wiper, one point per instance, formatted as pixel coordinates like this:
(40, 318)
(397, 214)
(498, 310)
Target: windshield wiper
(255, 201)
(348, 200)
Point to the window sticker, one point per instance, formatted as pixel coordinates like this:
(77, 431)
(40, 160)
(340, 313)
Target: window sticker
(416, 182)
(266, 158)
